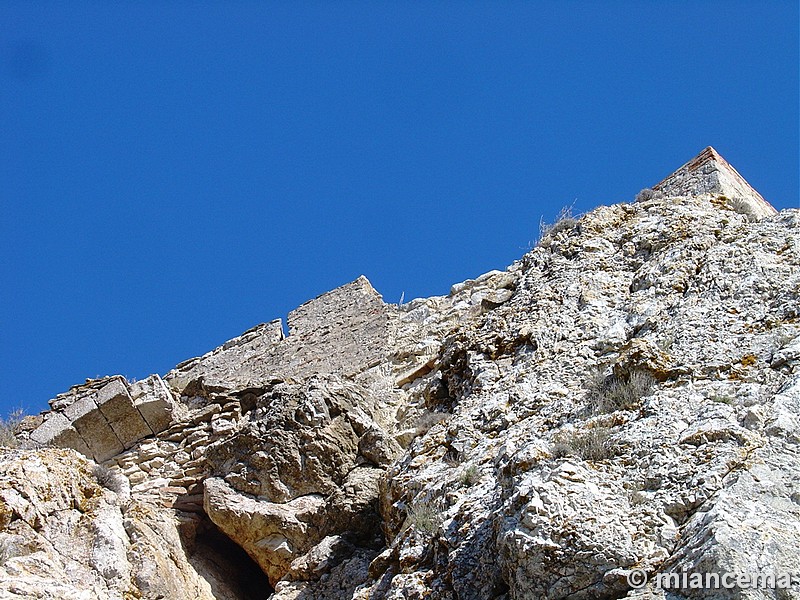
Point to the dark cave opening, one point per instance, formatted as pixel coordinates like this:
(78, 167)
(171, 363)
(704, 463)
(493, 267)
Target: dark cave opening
(224, 564)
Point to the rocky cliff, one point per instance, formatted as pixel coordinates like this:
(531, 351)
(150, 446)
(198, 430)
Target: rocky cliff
(623, 400)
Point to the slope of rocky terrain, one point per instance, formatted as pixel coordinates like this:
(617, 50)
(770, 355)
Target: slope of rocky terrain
(624, 397)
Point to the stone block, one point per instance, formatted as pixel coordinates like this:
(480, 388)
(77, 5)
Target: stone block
(117, 407)
(56, 430)
(131, 429)
(114, 400)
(62, 400)
(70, 438)
(80, 408)
(154, 402)
(98, 435)
(54, 424)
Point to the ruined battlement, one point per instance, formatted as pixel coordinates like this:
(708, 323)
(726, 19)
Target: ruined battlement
(344, 331)
(106, 416)
(709, 173)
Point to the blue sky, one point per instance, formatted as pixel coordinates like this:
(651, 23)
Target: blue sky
(174, 173)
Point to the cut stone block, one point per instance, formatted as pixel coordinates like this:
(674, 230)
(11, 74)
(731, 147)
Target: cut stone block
(131, 429)
(62, 400)
(113, 399)
(70, 438)
(53, 426)
(80, 408)
(117, 407)
(154, 402)
(98, 435)
(56, 430)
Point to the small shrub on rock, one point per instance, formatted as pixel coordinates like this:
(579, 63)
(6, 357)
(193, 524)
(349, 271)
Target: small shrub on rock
(564, 221)
(424, 517)
(8, 427)
(7, 549)
(645, 195)
(608, 394)
(108, 478)
(593, 444)
(741, 206)
(470, 476)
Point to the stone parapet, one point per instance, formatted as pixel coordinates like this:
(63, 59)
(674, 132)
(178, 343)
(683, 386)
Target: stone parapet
(344, 331)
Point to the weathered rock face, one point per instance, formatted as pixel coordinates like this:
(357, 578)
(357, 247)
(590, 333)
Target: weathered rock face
(64, 536)
(626, 396)
(301, 466)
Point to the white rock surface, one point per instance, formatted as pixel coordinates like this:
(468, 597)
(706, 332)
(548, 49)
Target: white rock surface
(625, 396)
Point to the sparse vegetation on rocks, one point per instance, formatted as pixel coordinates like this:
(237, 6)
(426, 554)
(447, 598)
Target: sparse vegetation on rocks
(564, 221)
(611, 393)
(8, 426)
(592, 444)
(108, 478)
(470, 475)
(425, 517)
(723, 399)
(6, 548)
(646, 194)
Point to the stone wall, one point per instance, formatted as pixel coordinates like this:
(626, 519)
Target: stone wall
(344, 331)
(170, 467)
(709, 173)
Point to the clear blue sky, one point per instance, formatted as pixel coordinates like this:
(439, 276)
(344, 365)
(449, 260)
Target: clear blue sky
(173, 173)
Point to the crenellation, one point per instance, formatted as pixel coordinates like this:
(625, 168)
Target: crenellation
(343, 331)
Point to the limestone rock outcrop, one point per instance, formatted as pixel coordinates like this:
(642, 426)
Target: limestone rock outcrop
(624, 399)
(301, 467)
(69, 530)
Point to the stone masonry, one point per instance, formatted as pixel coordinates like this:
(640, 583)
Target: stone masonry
(104, 417)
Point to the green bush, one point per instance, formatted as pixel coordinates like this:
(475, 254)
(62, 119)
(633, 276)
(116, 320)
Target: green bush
(424, 517)
(723, 399)
(470, 475)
